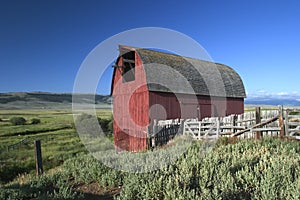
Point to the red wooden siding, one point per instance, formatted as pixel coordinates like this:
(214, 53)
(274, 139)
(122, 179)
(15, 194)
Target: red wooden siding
(190, 106)
(167, 101)
(235, 106)
(131, 102)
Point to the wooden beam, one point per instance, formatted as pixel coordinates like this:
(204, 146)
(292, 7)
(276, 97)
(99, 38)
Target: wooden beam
(255, 126)
(128, 60)
(118, 67)
(267, 129)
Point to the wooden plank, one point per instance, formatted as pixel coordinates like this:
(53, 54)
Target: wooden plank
(255, 126)
(207, 127)
(128, 60)
(245, 120)
(232, 127)
(293, 131)
(196, 126)
(208, 122)
(294, 123)
(267, 129)
(294, 116)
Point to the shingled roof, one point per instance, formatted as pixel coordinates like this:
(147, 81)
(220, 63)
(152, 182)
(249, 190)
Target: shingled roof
(177, 74)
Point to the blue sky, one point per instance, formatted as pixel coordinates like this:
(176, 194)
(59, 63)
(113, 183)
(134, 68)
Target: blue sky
(43, 43)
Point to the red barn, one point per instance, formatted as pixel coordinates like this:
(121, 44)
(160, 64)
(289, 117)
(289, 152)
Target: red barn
(150, 85)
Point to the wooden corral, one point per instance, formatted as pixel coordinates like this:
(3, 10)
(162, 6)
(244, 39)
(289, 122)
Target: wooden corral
(253, 124)
(150, 85)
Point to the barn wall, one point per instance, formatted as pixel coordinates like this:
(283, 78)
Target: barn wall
(235, 106)
(131, 102)
(185, 106)
(163, 106)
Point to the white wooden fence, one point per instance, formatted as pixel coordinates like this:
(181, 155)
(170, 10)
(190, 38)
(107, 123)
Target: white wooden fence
(253, 124)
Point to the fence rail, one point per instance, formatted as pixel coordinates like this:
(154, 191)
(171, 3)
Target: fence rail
(17, 144)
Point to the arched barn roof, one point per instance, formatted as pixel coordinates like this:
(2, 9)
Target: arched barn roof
(177, 74)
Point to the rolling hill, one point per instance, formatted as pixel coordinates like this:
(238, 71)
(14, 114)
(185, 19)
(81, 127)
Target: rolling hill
(45, 100)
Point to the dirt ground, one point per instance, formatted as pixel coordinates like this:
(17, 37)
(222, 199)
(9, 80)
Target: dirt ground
(93, 191)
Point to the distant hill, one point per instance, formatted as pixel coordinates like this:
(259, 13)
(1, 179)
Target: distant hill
(45, 100)
(273, 101)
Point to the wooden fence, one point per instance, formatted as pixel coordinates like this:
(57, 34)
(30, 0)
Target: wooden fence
(254, 124)
(162, 132)
(27, 140)
(17, 144)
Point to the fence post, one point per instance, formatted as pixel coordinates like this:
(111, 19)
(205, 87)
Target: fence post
(286, 123)
(148, 138)
(38, 157)
(154, 134)
(181, 128)
(281, 126)
(218, 127)
(257, 121)
(234, 120)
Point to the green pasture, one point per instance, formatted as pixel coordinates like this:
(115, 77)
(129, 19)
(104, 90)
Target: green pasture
(56, 131)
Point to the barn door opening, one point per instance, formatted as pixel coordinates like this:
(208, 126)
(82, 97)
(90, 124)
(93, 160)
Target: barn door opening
(128, 73)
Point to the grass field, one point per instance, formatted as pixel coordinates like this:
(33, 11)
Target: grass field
(266, 169)
(56, 131)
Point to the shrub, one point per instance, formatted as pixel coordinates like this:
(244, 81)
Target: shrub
(48, 186)
(9, 171)
(106, 125)
(35, 121)
(17, 121)
(111, 125)
(85, 124)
